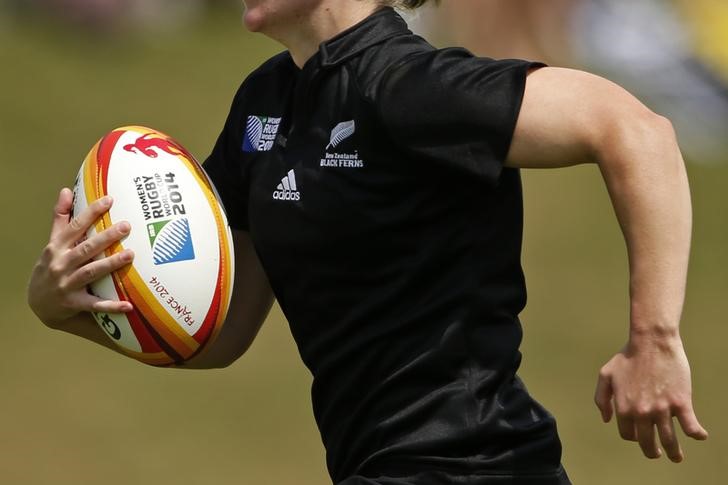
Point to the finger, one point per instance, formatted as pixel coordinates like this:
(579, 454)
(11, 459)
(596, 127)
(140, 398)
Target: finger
(668, 438)
(61, 212)
(93, 246)
(603, 397)
(690, 425)
(91, 303)
(78, 225)
(626, 428)
(646, 438)
(96, 270)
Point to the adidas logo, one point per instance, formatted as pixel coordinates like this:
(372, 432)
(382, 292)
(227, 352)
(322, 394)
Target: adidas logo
(287, 189)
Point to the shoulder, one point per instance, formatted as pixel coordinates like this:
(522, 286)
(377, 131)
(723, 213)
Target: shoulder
(444, 71)
(448, 104)
(409, 68)
(376, 62)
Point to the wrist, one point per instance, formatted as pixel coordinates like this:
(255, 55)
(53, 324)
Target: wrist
(40, 314)
(653, 337)
(653, 324)
(50, 320)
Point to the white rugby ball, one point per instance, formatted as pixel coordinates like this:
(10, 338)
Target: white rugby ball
(180, 281)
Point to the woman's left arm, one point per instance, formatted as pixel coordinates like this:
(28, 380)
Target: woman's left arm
(570, 117)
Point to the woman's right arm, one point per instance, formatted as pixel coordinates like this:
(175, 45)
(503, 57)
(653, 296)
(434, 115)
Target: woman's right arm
(57, 290)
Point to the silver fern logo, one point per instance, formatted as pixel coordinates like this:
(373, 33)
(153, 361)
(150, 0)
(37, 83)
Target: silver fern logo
(341, 132)
(346, 159)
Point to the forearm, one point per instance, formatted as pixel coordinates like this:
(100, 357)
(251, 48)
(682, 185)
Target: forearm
(83, 325)
(647, 182)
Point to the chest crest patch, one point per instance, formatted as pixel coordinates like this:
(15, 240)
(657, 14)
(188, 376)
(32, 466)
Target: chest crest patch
(260, 133)
(341, 132)
(333, 159)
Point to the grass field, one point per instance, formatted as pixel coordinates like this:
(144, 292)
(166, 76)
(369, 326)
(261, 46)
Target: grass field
(71, 413)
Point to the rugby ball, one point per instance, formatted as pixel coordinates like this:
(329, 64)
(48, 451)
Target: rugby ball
(180, 281)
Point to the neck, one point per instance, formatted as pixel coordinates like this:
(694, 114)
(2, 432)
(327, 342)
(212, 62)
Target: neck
(303, 31)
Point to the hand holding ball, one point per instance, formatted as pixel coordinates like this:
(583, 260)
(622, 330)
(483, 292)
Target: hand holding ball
(180, 281)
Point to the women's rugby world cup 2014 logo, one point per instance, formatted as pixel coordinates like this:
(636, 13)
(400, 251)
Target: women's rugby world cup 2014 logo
(260, 133)
(161, 202)
(163, 208)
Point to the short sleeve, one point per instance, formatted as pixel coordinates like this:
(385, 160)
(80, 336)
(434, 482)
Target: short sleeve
(451, 108)
(226, 170)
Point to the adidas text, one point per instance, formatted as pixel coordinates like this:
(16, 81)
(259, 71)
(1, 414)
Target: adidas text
(288, 188)
(286, 195)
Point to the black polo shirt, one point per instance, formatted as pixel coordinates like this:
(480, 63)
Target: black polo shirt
(373, 187)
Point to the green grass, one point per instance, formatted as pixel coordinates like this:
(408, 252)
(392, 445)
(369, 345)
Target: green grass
(73, 413)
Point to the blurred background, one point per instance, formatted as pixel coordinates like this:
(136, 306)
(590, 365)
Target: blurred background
(72, 70)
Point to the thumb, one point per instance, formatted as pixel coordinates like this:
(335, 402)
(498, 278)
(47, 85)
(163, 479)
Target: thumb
(62, 211)
(603, 396)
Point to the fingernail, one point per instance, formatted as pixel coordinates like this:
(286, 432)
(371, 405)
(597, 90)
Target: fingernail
(124, 227)
(127, 255)
(106, 200)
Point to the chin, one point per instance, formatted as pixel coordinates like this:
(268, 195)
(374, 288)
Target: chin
(254, 19)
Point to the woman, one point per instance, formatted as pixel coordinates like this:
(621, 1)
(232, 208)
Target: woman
(372, 182)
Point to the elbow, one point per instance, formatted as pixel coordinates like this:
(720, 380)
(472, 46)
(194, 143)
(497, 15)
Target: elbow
(193, 364)
(201, 364)
(637, 137)
(207, 362)
(223, 362)
(660, 139)
(215, 358)
(663, 128)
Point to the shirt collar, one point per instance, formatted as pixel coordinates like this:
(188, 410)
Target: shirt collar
(378, 27)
